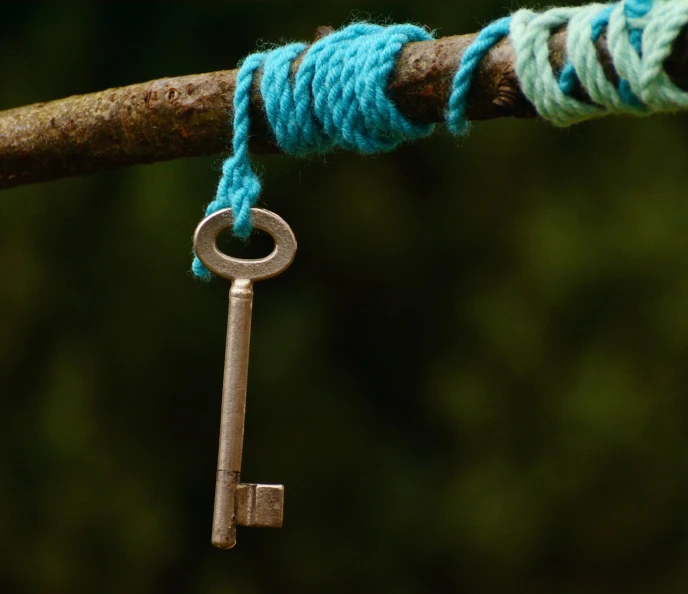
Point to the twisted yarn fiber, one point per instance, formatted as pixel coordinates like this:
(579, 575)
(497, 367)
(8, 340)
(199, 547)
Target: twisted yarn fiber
(337, 98)
(640, 34)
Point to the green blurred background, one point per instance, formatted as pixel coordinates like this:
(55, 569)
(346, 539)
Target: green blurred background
(472, 379)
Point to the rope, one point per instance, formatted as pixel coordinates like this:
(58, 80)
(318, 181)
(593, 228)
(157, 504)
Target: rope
(337, 98)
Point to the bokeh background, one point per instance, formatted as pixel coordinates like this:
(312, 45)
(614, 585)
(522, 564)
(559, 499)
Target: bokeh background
(472, 379)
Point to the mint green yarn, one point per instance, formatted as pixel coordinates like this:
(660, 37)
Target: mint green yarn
(656, 88)
(530, 33)
(639, 42)
(582, 54)
(627, 62)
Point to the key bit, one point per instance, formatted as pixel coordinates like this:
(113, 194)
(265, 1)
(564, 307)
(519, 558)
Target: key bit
(238, 504)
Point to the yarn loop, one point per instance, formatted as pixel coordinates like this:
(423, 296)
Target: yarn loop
(337, 97)
(640, 34)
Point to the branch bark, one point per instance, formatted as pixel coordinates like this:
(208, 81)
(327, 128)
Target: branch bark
(189, 115)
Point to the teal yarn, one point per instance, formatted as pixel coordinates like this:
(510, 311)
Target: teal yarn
(455, 116)
(635, 11)
(598, 24)
(337, 98)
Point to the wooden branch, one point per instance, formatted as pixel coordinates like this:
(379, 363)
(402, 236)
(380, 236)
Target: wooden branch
(189, 115)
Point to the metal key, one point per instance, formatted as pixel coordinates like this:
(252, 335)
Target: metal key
(238, 504)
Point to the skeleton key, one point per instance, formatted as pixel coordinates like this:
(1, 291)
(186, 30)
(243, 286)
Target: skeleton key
(238, 504)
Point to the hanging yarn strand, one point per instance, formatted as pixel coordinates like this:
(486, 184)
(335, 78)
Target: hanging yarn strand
(338, 97)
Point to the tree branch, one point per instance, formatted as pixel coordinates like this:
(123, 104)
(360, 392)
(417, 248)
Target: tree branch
(189, 115)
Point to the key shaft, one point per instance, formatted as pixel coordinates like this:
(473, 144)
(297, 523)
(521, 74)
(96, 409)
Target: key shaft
(234, 387)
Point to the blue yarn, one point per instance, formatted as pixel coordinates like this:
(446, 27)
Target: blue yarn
(239, 186)
(337, 98)
(295, 135)
(600, 22)
(627, 95)
(568, 77)
(636, 9)
(458, 99)
(633, 9)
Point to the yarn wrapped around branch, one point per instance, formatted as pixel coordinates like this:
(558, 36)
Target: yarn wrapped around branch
(338, 97)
